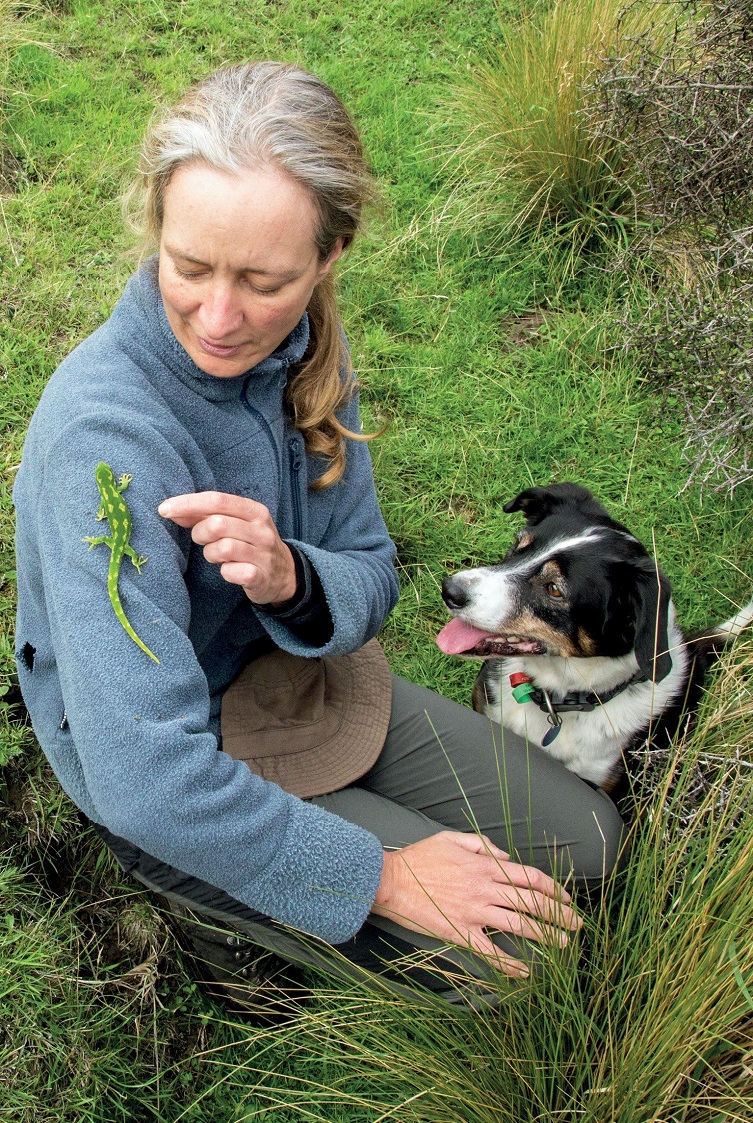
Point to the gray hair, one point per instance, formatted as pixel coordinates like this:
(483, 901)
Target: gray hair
(259, 115)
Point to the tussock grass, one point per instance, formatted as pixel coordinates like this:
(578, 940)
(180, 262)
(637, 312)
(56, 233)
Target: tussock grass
(529, 157)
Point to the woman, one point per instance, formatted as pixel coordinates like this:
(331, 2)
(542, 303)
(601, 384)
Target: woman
(249, 550)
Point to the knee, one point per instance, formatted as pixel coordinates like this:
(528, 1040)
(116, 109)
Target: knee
(601, 847)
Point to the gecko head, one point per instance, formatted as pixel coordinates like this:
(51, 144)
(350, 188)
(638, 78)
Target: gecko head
(104, 474)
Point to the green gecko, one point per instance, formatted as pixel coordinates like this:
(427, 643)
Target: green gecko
(115, 509)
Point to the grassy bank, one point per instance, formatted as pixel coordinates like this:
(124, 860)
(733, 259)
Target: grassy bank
(493, 375)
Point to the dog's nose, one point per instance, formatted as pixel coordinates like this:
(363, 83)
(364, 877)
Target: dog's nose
(454, 593)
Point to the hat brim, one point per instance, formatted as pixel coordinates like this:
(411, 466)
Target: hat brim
(312, 726)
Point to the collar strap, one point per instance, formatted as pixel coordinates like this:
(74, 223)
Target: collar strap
(524, 691)
(583, 700)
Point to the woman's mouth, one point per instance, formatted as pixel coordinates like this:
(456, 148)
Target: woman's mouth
(219, 350)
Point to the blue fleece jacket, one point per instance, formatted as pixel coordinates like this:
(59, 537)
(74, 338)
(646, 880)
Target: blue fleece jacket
(135, 744)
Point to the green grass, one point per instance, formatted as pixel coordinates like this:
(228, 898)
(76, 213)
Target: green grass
(530, 156)
(493, 374)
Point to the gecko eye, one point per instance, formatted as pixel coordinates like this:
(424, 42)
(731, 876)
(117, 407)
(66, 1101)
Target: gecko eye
(554, 591)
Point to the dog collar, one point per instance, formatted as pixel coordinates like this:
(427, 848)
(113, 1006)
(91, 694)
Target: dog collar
(523, 690)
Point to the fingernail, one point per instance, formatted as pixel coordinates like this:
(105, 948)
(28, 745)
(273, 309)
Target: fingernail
(165, 509)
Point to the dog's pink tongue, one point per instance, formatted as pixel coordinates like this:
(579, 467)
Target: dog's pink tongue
(457, 637)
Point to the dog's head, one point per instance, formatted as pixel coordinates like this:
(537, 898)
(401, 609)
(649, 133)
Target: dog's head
(576, 583)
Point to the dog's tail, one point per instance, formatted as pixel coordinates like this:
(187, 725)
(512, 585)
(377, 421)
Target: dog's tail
(712, 642)
(737, 624)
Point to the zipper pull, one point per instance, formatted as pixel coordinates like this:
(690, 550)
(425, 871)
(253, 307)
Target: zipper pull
(294, 448)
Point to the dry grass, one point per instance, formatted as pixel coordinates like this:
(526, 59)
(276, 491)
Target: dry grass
(529, 156)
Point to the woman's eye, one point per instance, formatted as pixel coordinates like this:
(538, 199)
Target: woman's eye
(554, 590)
(264, 292)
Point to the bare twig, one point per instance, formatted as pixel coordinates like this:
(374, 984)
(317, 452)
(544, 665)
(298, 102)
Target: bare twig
(685, 111)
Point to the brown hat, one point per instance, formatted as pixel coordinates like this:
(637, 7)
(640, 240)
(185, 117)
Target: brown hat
(310, 725)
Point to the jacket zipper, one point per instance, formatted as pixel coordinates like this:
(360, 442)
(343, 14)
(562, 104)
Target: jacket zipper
(265, 426)
(294, 459)
(294, 452)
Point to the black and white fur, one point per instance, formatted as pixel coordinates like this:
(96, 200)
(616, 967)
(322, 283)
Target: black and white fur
(580, 606)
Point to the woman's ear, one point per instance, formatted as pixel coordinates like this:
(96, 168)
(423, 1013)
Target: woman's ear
(325, 267)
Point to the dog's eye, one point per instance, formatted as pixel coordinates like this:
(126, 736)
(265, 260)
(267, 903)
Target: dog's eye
(554, 590)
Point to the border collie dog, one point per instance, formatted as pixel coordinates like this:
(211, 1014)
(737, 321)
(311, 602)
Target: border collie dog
(580, 618)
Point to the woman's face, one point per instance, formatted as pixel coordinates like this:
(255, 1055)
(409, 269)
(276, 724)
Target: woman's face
(237, 263)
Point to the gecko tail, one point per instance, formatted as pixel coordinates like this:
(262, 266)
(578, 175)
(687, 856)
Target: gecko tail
(140, 643)
(120, 613)
(144, 648)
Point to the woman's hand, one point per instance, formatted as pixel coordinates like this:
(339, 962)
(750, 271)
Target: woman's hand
(456, 886)
(237, 534)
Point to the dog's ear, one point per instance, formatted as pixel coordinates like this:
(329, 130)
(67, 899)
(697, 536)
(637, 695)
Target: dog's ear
(652, 599)
(538, 502)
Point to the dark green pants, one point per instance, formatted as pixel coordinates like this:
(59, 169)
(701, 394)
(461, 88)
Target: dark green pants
(443, 766)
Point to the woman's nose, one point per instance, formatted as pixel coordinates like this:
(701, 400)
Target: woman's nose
(220, 313)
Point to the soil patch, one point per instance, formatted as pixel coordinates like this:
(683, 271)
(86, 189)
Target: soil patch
(526, 329)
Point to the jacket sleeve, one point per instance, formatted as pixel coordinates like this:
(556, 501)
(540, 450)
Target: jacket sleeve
(135, 733)
(354, 557)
